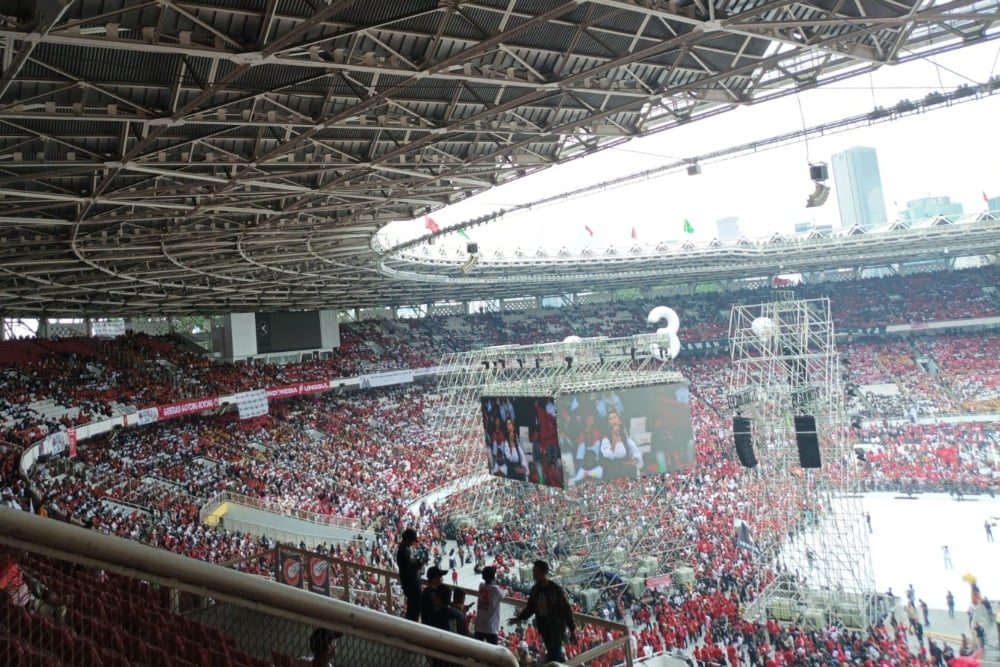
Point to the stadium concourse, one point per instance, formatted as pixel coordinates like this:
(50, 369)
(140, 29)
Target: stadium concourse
(927, 407)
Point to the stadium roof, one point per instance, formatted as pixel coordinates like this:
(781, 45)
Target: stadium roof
(215, 156)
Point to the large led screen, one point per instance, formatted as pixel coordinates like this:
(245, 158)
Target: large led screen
(522, 439)
(625, 433)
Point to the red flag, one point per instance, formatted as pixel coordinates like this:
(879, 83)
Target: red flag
(589, 230)
(985, 198)
(634, 235)
(430, 224)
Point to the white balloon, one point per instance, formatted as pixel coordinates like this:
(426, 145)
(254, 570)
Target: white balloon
(672, 349)
(675, 346)
(661, 313)
(762, 327)
(572, 339)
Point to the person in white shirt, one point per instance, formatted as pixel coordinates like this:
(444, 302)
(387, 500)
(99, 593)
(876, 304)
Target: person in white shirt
(619, 453)
(488, 607)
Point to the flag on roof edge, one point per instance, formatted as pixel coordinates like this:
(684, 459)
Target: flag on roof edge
(589, 230)
(430, 224)
(688, 229)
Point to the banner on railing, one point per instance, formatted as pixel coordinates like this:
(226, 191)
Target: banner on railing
(289, 569)
(659, 582)
(71, 443)
(55, 443)
(314, 387)
(298, 389)
(251, 403)
(108, 328)
(319, 575)
(386, 379)
(188, 407)
(148, 415)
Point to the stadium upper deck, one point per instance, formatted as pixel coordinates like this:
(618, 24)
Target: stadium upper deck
(230, 156)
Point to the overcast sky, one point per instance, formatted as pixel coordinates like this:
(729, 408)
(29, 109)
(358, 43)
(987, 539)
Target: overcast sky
(951, 152)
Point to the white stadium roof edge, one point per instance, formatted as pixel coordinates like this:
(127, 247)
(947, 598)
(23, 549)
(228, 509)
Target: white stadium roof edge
(218, 157)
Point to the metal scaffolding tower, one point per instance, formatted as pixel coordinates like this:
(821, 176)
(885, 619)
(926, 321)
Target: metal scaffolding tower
(585, 529)
(806, 524)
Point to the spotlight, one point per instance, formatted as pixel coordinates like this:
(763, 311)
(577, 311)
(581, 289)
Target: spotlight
(569, 363)
(520, 363)
(693, 169)
(472, 248)
(486, 365)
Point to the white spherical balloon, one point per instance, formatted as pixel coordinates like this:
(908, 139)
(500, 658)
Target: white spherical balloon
(572, 339)
(762, 327)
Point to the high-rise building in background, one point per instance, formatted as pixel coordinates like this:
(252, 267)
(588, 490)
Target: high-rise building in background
(932, 207)
(728, 228)
(859, 188)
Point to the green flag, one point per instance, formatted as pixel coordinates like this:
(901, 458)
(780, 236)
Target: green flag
(461, 232)
(688, 229)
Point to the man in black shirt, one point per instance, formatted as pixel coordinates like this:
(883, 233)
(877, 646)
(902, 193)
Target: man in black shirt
(548, 604)
(409, 573)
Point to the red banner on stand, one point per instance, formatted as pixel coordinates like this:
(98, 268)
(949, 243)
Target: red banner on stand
(289, 569)
(319, 575)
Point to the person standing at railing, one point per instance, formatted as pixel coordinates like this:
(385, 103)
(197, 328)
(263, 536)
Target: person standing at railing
(410, 566)
(553, 615)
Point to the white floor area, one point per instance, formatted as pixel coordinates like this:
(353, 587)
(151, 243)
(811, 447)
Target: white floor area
(907, 540)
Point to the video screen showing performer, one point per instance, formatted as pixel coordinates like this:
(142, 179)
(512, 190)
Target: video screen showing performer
(522, 440)
(625, 433)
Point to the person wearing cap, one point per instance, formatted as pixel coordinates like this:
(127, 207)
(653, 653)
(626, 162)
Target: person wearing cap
(409, 573)
(488, 607)
(553, 615)
(435, 577)
(322, 646)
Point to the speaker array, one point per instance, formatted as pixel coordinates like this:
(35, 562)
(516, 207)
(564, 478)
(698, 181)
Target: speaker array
(743, 438)
(806, 439)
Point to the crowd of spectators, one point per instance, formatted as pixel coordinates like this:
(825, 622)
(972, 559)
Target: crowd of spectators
(372, 455)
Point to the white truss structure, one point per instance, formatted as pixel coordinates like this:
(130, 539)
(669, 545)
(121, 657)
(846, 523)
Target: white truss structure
(808, 525)
(554, 523)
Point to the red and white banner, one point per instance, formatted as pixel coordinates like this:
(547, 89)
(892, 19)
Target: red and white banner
(298, 389)
(289, 569)
(319, 575)
(659, 582)
(71, 443)
(314, 387)
(188, 407)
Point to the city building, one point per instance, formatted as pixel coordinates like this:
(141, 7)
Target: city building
(859, 188)
(932, 207)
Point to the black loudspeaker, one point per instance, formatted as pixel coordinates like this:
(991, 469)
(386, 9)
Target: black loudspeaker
(807, 440)
(744, 442)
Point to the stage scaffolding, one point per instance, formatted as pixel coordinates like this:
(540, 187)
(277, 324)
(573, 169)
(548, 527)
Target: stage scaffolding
(587, 531)
(807, 526)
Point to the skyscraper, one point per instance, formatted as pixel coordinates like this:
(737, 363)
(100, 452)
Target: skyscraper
(859, 188)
